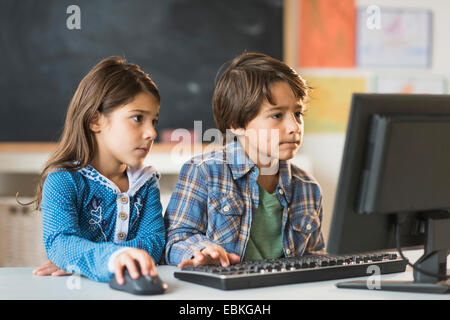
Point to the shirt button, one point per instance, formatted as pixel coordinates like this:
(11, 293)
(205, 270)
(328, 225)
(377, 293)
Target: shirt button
(124, 199)
(288, 251)
(280, 191)
(308, 227)
(123, 215)
(226, 208)
(121, 235)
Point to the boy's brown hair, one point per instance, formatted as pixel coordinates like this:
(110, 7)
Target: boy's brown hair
(244, 86)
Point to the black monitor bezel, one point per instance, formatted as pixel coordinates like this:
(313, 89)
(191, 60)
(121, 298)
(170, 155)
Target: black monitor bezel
(351, 232)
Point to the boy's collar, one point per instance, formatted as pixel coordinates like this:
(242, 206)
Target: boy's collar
(241, 164)
(285, 178)
(237, 159)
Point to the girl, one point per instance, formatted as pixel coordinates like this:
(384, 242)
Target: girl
(101, 206)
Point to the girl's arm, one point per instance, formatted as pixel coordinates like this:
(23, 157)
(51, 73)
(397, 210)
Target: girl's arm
(151, 233)
(62, 240)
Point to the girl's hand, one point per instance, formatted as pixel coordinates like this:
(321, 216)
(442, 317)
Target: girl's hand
(48, 268)
(129, 259)
(213, 254)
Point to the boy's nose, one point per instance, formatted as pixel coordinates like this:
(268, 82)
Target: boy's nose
(294, 126)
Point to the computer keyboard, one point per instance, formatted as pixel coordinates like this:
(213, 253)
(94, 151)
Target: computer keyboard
(273, 272)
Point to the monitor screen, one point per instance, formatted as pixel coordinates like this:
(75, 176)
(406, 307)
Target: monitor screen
(406, 168)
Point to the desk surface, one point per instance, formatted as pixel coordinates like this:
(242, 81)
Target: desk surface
(20, 283)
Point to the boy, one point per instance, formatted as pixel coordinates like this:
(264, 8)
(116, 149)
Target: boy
(246, 201)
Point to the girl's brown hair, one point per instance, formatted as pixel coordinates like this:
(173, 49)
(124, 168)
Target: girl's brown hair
(111, 83)
(245, 84)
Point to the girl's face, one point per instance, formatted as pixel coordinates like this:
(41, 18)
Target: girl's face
(127, 134)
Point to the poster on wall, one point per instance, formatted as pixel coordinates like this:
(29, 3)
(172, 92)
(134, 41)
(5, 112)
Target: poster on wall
(329, 102)
(413, 85)
(393, 37)
(326, 37)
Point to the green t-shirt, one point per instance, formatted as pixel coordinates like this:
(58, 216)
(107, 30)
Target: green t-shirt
(265, 234)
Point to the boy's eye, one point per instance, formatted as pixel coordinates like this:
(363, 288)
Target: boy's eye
(137, 118)
(276, 116)
(155, 122)
(298, 114)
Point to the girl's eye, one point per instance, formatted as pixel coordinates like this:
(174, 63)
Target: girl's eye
(298, 114)
(155, 122)
(137, 118)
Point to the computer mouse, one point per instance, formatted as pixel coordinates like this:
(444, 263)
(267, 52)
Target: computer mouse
(144, 285)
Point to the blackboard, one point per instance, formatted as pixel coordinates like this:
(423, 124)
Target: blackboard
(180, 43)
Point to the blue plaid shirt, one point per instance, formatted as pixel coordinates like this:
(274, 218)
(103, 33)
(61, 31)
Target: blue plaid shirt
(216, 196)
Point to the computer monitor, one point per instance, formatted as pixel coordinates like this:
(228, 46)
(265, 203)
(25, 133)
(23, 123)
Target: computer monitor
(395, 176)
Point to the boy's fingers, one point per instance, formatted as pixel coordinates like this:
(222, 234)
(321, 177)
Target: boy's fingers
(233, 257)
(217, 252)
(186, 263)
(224, 259)
(213, 253)
(199, 258)
(223, 256)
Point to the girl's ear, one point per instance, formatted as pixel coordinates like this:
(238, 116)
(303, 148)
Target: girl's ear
(96, 124)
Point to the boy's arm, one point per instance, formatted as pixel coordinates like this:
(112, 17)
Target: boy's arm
(316, 244)
(186, 217)
(62, 241)
(151, 233)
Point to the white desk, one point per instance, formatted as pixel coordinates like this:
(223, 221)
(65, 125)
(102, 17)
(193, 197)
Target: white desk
(20, 283)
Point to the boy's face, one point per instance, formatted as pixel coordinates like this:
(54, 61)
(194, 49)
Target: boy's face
(276, 132)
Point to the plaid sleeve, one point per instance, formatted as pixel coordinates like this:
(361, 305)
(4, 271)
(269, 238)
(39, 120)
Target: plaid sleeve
(186, 215)
(316, 242)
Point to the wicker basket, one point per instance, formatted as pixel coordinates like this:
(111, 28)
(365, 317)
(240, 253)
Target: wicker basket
(21, 242)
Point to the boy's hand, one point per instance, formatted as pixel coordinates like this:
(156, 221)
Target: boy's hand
(212, 254)
(128, 259)
(48, 268)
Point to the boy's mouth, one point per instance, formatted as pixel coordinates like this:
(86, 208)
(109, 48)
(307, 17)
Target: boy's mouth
(295, 142)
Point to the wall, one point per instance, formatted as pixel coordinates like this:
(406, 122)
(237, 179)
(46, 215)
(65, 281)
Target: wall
(325, 150)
